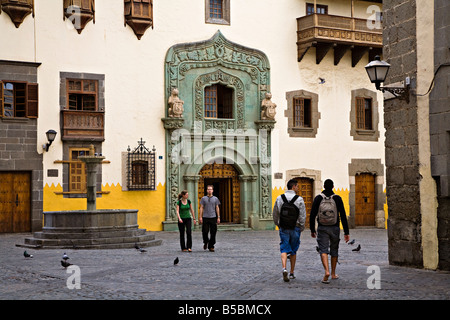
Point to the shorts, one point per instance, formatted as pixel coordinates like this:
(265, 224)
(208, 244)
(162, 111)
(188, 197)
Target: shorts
(289, 240)
(328, 239)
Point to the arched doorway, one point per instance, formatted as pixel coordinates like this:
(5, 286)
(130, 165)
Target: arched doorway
(225, 180)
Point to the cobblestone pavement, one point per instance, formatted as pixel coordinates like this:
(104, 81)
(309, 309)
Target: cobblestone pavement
(245, 266)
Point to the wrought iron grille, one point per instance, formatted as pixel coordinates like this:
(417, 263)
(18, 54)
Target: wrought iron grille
(141, 169)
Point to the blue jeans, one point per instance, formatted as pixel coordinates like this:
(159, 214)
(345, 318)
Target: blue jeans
(289, 240)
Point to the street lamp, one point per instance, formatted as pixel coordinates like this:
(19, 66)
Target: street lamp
(377, 71)
(51, 135)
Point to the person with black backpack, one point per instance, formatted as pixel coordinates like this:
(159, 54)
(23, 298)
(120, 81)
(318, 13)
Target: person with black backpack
(329, 210)
(289, 215)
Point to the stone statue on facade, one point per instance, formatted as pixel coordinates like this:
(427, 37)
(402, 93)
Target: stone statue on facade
(175, 105)
(268, 108)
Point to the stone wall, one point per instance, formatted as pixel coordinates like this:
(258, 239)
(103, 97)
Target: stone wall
(18, 140)
(402, 147)
(440, 128)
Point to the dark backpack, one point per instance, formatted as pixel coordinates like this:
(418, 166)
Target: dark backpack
(289, 213)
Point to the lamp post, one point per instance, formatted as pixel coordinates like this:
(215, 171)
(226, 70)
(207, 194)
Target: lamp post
(377, 71)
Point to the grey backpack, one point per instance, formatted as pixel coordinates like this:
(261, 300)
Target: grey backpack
(327, 211)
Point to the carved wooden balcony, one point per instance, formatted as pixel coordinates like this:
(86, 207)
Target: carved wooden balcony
(324, 32)
(79, 12)
(83, 125)
(139, 15)
(17, 10)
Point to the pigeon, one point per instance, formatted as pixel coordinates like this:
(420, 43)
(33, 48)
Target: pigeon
(351, 242)
(27, 255)
(65, 264)
(175, 262)
(322, 80)
(357, 248)
(140, 249)
(65, 257)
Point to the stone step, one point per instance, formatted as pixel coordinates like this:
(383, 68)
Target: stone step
(89, 235)
(143, 240)
(232, 227)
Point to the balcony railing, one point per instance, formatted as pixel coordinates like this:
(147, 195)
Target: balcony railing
(325, 31)
(83, 125)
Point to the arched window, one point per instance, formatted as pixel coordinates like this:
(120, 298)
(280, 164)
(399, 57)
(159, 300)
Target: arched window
(218, 102)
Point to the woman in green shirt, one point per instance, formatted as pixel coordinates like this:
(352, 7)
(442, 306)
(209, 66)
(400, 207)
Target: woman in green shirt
(185, 215)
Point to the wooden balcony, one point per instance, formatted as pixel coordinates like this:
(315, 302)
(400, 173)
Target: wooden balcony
(83, 125)
(324, 32)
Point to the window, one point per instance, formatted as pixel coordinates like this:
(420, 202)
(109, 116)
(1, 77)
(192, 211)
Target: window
(139, 15)
(302, 113)
(141, 168)
(320, 8)
(364, 113)
(77, 170)
(364, 117)
(217, 11)
(79, 12)
(82, 95)
(218, 102)
(18, 99)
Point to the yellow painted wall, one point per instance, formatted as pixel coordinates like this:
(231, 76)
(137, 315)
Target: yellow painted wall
(151, 204)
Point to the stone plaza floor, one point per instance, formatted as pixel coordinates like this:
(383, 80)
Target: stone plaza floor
(245, 266)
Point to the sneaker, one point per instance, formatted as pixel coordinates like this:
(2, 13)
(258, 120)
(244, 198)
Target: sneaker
(211, 249)
(291, 276)
(285, 276)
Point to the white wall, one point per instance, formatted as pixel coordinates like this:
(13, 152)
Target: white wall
(134, 76)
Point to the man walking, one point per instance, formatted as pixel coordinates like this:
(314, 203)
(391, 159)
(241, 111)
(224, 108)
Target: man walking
(328, 208)
(209, 217)
(289, 215)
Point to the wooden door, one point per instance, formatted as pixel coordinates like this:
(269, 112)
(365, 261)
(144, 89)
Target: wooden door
(365, 200)
(226, 187)
(15, 202)
(305, 190)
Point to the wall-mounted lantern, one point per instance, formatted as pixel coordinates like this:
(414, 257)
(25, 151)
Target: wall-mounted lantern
(51, 135)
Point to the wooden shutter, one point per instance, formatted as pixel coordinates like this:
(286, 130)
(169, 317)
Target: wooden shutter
(32, 100)
(1, 99)
(360, 118)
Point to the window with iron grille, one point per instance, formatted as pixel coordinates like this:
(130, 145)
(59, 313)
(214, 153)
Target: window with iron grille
(141, 168)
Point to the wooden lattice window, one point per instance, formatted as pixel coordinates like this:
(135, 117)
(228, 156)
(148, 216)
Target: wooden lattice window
(364, 113)
(79, 12)
(18, 99)
(82, 94)
(17, 10)
(218, 102)
(139, 15)
(302, 112)
(77, 170)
